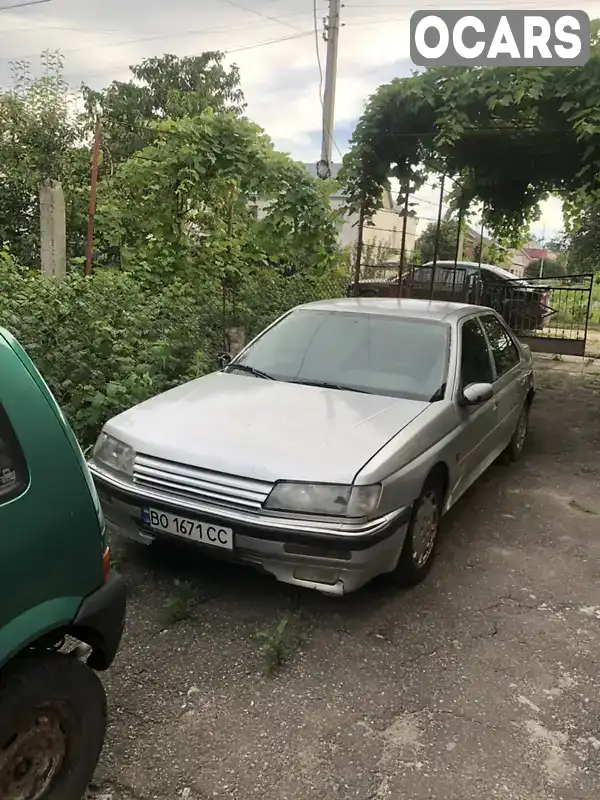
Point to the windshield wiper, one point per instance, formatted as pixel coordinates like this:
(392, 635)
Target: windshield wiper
(251, 371)
(439, 395)
(327, 385)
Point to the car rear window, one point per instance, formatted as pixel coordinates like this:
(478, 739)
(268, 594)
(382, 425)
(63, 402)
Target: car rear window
(13, 468)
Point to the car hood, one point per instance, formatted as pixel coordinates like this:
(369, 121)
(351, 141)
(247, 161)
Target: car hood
(263, 429)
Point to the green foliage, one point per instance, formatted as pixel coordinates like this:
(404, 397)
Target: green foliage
(277, 645)
(551, 268)
(491, 254)
(179, 208)
(104, 343)
(446, 244)
(583, 241)
(166, 87)
(38, 143)
(510, 135)
(178, 606)
(180, 256)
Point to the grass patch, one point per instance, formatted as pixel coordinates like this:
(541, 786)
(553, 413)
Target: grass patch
(178, 606)
(277, 645)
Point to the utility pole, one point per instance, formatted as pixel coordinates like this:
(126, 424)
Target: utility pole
(541, 275)
(331, 36)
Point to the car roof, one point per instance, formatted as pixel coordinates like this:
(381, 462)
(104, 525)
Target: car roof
(409, 308)
(493, 268)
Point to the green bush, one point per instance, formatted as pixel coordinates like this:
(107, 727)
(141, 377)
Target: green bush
(104, 343)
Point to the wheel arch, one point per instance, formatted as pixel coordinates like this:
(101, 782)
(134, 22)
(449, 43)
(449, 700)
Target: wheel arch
(439, 473)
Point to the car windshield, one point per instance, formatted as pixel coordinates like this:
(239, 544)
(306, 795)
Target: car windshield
(374, 353)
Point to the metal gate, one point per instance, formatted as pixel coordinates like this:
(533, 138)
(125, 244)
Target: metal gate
(549, 314)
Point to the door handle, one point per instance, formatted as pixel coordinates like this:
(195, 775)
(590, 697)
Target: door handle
(495, 406)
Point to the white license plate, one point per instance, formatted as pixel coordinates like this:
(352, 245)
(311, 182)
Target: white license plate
(203, 532)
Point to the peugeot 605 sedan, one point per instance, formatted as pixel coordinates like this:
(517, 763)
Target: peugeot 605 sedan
(328, 450)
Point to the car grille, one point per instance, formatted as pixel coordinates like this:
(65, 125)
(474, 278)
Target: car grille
(205, 486)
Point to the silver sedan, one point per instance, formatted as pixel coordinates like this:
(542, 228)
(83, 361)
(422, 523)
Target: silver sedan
(328, 450)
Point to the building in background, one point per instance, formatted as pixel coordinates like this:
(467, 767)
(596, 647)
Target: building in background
(385, 233)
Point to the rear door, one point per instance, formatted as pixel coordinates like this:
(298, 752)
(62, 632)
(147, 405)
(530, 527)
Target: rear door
(511, 380)
(478, 435)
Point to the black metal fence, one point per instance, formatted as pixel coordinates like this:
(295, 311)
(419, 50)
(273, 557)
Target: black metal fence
(550, 314)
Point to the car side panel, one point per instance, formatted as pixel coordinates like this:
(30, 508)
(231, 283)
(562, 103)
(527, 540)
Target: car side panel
(50, 538)
(465, 441)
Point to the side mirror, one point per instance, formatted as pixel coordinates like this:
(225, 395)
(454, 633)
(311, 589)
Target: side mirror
(476, 393)
(224, 359)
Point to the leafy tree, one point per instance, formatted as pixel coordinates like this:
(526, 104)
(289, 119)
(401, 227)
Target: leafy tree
(39, 141)
(583, 241)
(492, 254)
(179, 208)
(447, 241)
(550, 268)
(511, 136)
(161, 87)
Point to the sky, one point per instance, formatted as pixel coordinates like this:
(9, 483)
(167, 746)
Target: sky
(272, 41)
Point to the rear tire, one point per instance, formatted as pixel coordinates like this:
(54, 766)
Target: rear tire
(515, 448)
(52, 727)
(420, 544)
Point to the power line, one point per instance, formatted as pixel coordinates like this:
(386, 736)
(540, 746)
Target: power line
(299, 35)
(260, 14)
(154, 37)
(98, 73)
(318, 51)
(74, 29)
(26, 3)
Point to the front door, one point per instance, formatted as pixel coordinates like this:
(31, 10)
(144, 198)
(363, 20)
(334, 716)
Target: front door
(477, 433)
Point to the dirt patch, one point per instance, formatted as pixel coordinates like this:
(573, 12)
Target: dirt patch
(479, 683)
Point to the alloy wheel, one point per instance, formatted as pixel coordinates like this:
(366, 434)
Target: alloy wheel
(425, 528)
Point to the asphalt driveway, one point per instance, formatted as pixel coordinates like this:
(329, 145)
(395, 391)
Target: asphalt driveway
(480, 683)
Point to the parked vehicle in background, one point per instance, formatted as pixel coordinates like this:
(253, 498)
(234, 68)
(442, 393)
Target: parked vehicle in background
(521, 304)
(326, 452)
(56, 586)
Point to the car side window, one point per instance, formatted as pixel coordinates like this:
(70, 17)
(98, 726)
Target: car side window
(504, 350)
(13, 469)
(475, 365)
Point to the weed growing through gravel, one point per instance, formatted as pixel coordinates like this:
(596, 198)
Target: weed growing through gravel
(277, 645)
(179, 605)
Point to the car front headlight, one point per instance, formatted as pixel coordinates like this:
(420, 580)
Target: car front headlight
(324, 498)
(113, 454)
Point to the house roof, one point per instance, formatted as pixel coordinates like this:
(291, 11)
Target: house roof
(535, 253)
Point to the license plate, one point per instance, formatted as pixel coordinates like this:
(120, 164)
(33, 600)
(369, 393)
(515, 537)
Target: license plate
(203, 532)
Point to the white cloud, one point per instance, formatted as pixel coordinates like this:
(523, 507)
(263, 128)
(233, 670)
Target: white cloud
(280, 80)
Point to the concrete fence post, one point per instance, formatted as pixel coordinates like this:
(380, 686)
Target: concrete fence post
(53, 230)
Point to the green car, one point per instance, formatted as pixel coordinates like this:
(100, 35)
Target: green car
(62, 610)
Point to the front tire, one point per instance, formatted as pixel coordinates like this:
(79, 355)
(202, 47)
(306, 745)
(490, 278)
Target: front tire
(421, 539)
(52, 727)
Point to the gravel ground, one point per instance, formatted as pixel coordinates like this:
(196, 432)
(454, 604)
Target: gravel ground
(480, 683)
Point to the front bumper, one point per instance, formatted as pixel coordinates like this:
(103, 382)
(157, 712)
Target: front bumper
(101, 620)
(329, 556)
